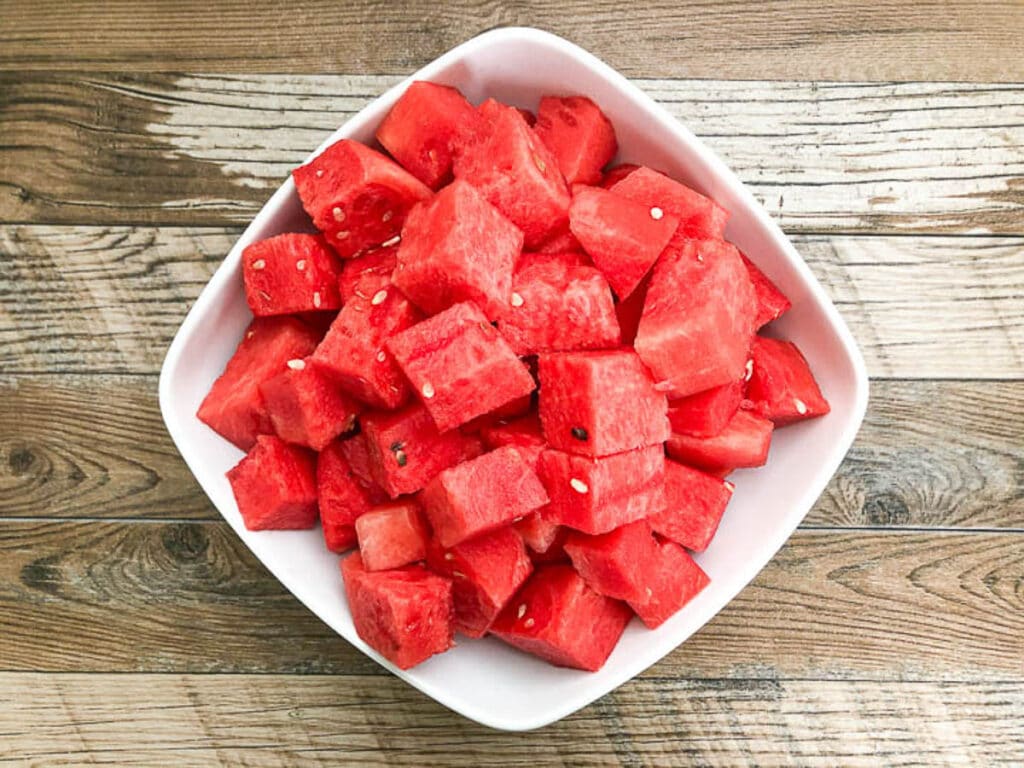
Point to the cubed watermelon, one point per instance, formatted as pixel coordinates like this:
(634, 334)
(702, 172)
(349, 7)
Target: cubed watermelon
(622, 236)
(674, 580)
(364, 275)
(517, 174)
(618, 563)
(554, 308)
(290, 273)
(482, 494)
(344, 490)
(524, 431)
(743, 443)
(458, 247)
(356, 451)
(405, 615)
(485, 572)
(460, 365)
(698, 319)
(771, 302)
(356, 196)
(557, 617)
(597, 495)
(306, 407)
(579, 136)
(392, 535)
(407, 452)
(425, 127)
(616, 174)
(600, 403)
(699, 217)
(234, 407)
(694, 504)
(782, 387)
(706, 413)
(275, 486)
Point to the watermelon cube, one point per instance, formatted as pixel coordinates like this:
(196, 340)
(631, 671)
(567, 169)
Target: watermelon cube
(618, 563)
(353, 352)
(698, 319)
(485, 572)
(694, 504)
(364, 275)
(458, 247)
(407, 452)
(554, 307)
(356, 196)
(482, 494)
(290, 273)
(522, 432)
(392, 535)
(699, 217)
(516, 173)
(600, 403)
(459, 365)
(344, 492)
(275, 486)
(356, 451)
(771, 302)
(674, 580)
(616, 174)
(706, 413)
(622, 236)
(782, 387)
(579, 136)
(405, 614)
(234, 407)
(597, 495)
(743, 443)
(424, 129)
(306, 407)
(558, 618)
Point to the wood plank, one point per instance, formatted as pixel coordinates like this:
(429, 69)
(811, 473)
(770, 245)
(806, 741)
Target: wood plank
(837, 605)
(849, 39)
(110, 299)
(198, 149)
(278, 721)
(90, 447)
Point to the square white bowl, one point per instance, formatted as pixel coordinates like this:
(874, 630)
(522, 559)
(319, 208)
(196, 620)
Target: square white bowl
(486, 680)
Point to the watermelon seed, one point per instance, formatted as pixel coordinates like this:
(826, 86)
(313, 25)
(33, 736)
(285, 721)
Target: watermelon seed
(529, 622)
(300, 265)
(649, 592)
(517, 300)
(449, 556)
(393, 241)
(259, 264)
(316, 299)
(730, 486)
(379, 297)
(427, 390)
(700, 257)
(517, 519)
(749, 369)
(319, 173)
(297, 364)
(578, 485)
(541, 165)
(522, 611)
(381, 357)
(265, 296)
(458, 574)
(580, 434)
(657, 213)
(432, 154)
(250, 334)
(339, 216)
(401, 458)
(387, 216)
(397, 446)
(801, 407)
(342, 235)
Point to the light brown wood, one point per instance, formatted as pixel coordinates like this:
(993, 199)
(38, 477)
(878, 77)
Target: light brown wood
(110, 299)
(850, 39)
(823, 157)
(287, 721)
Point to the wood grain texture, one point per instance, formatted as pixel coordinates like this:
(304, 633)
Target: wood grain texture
(195, 149)
(851, 605)
(930, 454)
(110, 299)
(285, 722)
(849, 39)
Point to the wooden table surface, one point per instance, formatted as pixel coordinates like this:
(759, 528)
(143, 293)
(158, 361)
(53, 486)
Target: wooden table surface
(137, 139)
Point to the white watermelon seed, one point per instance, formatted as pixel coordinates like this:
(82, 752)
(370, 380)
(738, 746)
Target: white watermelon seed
(529, 622)
(578, 485)
(517, 300)
(265, 296)
(300, 265)
(319, 173)
(657, 213)
(432, 154)
(449, 556)
(730, 486)
(522, 611)
(428, 390)
(458, 574)
(342, 235)
(801, 407)
(338, 214)
(541, 165)
(259, 264)
(379, 297)
(250, 334)
(381, 357)
(517, 519)
(648, 591)
(297, 364)
(393, 241)
(700, 257)
(749, 370)
(387, 216)
(316, 299)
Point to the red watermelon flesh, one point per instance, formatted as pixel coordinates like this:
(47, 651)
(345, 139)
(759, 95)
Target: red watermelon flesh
(459, 365)
(695, 502)
(618, 563)
(566, 259)
(521, 432)
(364, 275)
(699, 217)
(598, 495)
(344, 492)
(558, 618)
(782, 387)
(674, 580)
(356, 452)
(562, 241)
(275, 486)
(554, 308)
(234, 407)
(482, 494)
(356, 196)
(407, 452)
(405, 615)
(306, 407)
(392, 535)
(425, 127)
(513, 409)
(743, 443)
(579, 136)
(771, 302)
(616, 174)
(458, 247)
(600, 403)
(290, 273)
(517, 174)
(485, 572)
(706, 413)
(697, 323)
(630, 309)
(622, 236)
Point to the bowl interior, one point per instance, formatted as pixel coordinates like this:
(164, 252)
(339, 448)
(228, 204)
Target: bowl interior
(486, 680)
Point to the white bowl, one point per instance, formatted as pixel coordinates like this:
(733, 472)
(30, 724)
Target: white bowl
(486, 680)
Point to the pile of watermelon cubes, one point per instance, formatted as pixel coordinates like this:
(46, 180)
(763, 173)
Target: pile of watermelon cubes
(514, 378)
